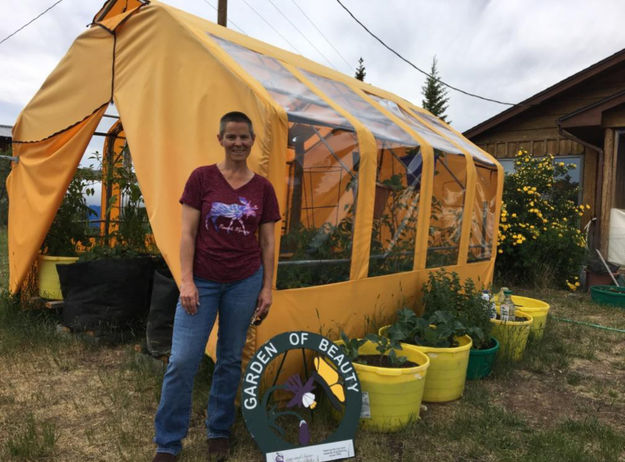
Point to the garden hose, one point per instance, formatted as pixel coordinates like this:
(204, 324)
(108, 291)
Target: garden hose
(589, 324)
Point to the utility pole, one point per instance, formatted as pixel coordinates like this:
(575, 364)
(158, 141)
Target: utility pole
(222, 13)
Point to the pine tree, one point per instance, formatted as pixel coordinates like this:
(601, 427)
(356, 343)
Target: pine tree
(435, 94)
(360, 70)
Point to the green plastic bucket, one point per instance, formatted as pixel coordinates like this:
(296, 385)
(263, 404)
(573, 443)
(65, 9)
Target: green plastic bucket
(481, 361)
(608, 295)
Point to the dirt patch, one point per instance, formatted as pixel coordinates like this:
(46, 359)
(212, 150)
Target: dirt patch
(592, 388)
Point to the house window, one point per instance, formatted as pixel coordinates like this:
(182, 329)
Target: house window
(576, 175)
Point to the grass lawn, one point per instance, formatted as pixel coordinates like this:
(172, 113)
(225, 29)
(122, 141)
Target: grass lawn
(66, 398)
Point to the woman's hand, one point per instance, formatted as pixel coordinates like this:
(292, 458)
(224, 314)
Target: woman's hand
(189, 297)
(262, 306)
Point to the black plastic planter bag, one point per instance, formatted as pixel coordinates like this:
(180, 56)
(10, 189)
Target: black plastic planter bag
(161, 316)
(106, 295)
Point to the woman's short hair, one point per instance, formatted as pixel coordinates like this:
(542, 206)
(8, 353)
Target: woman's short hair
(234, 116)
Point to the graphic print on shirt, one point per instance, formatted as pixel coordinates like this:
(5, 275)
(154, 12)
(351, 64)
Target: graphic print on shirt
(233, 212)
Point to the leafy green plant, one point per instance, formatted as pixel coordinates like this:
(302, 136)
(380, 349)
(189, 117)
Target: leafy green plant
(386, 347)
(70, 225)
(350, 346)
(540, 242)
(445, 292)
(324, 251)
(438, 330)
(127, 236)
(383, 345)
(394, 230)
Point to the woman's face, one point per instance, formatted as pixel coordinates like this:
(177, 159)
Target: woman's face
(237, 141)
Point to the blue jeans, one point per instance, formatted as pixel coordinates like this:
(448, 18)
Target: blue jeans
(235, 302)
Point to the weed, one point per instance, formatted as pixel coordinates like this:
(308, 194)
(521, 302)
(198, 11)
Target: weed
(33, 440)
(573, 378)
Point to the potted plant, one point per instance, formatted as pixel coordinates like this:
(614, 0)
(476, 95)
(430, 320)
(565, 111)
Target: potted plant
(445, 292)
(69, 228)
(108, 290)
(443, 338)
(392, 380)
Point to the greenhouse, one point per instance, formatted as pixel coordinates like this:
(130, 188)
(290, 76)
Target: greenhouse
(374, 191)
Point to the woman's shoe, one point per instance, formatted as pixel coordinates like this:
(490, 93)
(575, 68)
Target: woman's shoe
(218, 449)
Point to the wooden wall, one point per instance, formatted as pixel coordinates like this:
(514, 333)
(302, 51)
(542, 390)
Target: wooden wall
(536, 130)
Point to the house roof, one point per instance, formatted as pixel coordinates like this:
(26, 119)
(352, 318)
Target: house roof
(548, 93)
(5, 131)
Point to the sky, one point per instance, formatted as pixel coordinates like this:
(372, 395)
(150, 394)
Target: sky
(506, 50)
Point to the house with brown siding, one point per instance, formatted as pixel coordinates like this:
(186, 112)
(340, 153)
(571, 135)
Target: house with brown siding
(580, 120)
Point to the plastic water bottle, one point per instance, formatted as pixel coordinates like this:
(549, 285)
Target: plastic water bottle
(492, 311)
(507, 306)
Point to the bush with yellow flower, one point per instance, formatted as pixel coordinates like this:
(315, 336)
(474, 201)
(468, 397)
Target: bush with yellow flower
(540, 242)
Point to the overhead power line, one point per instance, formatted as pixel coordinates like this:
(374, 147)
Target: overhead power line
(302, 34)
(350, 66)
(271, 25)
(30, 22)
(420, 70)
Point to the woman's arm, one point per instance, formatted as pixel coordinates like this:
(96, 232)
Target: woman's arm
(267, 245)
(189, 298)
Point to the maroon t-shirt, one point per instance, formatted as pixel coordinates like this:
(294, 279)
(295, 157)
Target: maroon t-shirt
(227, 247)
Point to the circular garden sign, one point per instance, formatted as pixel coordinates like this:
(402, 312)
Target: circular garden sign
(286, 419)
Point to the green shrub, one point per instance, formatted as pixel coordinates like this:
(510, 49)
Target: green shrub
(540, 242)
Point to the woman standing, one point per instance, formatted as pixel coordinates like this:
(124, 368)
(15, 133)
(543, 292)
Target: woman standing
(227, 261)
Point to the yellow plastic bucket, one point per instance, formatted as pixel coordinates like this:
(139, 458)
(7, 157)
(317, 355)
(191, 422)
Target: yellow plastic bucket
(535, 308)
(448, 370)
(48, 278)
(391, 395)
(512, 336)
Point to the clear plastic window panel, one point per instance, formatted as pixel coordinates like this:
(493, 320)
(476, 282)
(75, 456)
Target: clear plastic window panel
(381, 126)
(433, 138)
(299, 102)
(449, 188)
(483, 216)
(322, 177)
(398, 182)
(396, 209)
(322, 185)
(470, 147)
